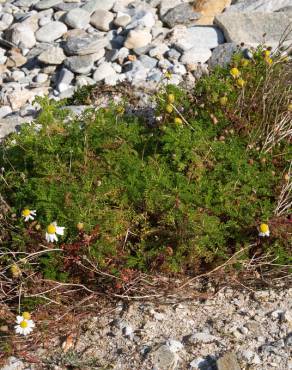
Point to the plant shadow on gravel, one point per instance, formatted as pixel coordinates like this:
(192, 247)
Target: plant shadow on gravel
(178, 198)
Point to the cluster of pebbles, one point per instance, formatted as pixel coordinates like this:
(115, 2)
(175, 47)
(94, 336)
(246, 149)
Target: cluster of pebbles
(52, 47)
(230, 330)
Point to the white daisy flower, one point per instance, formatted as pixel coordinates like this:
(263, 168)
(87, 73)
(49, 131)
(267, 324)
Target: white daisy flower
(24, 324)
(28, 214)
(264, 230)
(52, 231)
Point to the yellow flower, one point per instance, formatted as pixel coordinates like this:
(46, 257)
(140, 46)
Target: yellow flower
(267, 53)
(235, 73)
(27, 214)
(240, 82)
(178, 121)
(171, 98)
(244, 62)
(26, 315)
(169, 108)
(168, 75)
(15, 270)
(269, 61)
(290, 107)
(223, 100)
(264, 230)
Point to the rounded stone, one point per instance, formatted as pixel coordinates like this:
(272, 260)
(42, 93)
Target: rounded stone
(22, 35)
(102, 19)
(138, 39)
(54, 55)
(77, 18)
(51, 32)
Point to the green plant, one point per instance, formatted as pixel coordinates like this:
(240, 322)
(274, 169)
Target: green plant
(178, 197)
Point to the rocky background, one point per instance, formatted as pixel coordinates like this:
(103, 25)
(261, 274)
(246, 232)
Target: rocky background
(227, 330)
(52, 47)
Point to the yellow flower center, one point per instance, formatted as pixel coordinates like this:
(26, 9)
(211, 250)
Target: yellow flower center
(15, 270)
(169, 108)
(267, 53)
(171, 98)
(240, 82)
(51, 229)
(26, 315)
(244, 62)
(178, 121)
(23, 324)
(26, 212)
(223, 100)
(235, 72)
(264, 228)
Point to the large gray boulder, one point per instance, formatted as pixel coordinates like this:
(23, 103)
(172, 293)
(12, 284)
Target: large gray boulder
(253, 28)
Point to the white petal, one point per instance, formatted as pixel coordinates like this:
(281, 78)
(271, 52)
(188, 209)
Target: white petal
(26, 218)
(17, 329)
(54, 223)
(47, 237)
(54, 237)
(30, 217)
(33, 212)
(60, 230)
(27, 331)
(19, 319)
(30, 323)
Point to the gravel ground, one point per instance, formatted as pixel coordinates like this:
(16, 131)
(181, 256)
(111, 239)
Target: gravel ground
(227, 330)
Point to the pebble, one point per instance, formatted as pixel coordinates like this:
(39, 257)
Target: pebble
(51, 31)
(196, 55)
(93, 5)
(46, 4)
(22, 35)
(54, 55)
(85, 44)
(122, 19)
(181, 14)
(102, 71)
(65, 78)
(41, 78)
(81, 64)
(77, 18)
(138, 39)
(102, 19)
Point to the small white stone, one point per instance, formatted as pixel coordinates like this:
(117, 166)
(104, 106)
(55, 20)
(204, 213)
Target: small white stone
(17, 75)
(174, 345)
(41, 78)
